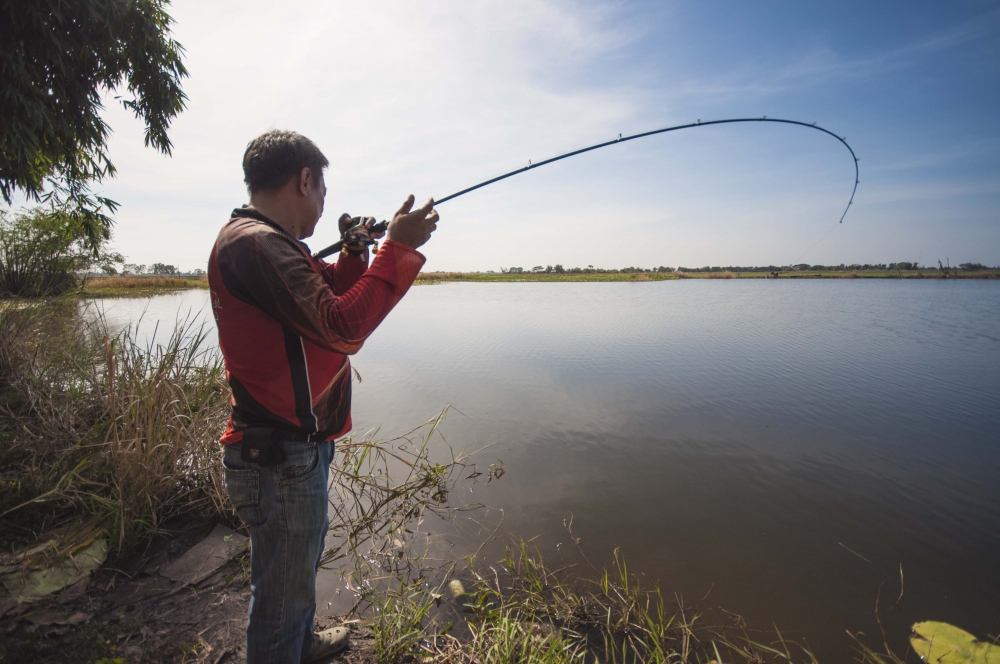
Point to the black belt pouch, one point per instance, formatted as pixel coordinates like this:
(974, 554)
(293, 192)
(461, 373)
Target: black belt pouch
(262, 446)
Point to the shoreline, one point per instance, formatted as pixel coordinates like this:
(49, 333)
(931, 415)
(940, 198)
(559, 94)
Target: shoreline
(436, 277)
(141, 285)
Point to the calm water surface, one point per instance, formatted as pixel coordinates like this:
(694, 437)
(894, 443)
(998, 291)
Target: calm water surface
(777, 448)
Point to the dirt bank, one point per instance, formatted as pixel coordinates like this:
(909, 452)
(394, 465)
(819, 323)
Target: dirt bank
(129, 612)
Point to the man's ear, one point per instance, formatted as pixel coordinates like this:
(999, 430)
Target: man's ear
(305, 181)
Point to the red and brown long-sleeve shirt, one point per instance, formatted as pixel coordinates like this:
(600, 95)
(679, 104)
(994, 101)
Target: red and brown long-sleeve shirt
(288, 321)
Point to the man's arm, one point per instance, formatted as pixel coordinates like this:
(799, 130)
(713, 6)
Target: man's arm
(346, 271)
(277, 277)
(289, 289)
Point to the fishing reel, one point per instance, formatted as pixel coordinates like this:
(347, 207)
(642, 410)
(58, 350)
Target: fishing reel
(356, 232)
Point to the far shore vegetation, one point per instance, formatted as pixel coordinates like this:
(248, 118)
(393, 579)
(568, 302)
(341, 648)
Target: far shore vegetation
(900, 270)
(46, 252)
(130, 284)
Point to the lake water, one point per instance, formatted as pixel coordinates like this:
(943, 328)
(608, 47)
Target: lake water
(777, 448)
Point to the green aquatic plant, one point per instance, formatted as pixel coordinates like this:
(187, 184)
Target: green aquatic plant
(942, 643)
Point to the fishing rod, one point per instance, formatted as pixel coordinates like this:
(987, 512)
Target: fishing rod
(381, 226)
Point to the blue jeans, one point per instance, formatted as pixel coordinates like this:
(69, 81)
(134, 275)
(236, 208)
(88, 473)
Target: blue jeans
(285, 508)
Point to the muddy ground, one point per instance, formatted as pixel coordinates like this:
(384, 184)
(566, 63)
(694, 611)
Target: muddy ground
(127, 612)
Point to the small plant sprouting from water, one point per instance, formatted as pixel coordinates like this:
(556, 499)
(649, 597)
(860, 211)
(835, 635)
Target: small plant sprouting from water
(379, 489)
(381, 494)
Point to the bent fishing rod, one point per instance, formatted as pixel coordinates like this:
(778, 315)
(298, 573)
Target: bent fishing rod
(381, 226)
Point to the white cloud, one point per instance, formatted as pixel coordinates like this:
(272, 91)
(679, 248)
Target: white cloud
(431, 97)
(404, 97)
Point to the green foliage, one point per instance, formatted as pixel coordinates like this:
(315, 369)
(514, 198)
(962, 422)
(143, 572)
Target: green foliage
(521, 610)
(57, 59)
(163, 269)
(398, 627)
(41, 252)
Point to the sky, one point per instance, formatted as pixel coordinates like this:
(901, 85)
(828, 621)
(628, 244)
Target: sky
(430, 97)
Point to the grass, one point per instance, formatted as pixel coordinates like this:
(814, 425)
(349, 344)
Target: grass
(440, 277)
(102, 430)
(437, 277)
(520, 610)
(138, 285)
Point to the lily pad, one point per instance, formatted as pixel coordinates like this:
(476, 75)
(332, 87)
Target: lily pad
(942, 643)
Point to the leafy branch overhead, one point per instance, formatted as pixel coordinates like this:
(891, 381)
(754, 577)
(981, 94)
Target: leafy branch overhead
(57, 60)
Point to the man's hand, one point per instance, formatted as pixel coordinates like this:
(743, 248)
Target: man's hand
(413, 227)
(357, 236)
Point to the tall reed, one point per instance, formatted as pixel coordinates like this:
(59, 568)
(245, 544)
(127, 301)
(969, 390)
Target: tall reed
(101, 427)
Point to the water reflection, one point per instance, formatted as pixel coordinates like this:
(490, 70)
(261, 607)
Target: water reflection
(154, 318)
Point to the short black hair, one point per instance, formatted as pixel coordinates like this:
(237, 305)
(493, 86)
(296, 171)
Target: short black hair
(275, 157)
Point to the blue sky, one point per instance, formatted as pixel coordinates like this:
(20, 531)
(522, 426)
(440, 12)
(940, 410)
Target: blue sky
(431, 97)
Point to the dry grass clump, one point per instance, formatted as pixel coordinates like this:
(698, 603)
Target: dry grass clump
(437, 277)
(98, 427)
(137, 284)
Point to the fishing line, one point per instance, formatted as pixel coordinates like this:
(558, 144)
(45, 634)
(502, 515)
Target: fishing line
(803, 255)
(622, 139)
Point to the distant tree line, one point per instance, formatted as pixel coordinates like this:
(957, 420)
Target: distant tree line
(159, 269)
(590, 269)
(798, 267)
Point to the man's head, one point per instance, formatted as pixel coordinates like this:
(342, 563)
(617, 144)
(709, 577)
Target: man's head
(284, 169)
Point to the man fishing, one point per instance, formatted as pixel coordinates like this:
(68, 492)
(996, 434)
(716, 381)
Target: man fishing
(287, 324)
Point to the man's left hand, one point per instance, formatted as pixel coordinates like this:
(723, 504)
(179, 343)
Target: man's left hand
(357, 233)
